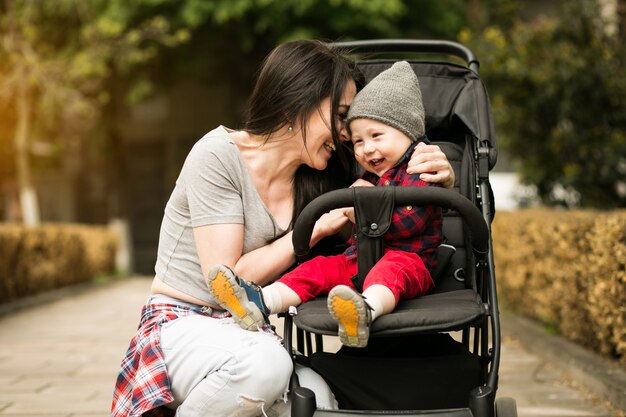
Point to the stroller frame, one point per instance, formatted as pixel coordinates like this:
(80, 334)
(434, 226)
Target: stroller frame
(467, 213)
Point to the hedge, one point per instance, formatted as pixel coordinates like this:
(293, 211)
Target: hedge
(37, 259)
(566, 269)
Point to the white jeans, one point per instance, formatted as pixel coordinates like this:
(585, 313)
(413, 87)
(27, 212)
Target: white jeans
(218, 369)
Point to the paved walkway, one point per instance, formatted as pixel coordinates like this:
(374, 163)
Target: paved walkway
(60, 359)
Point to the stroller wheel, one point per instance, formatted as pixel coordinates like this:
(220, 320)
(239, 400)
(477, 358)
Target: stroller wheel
(506, 407)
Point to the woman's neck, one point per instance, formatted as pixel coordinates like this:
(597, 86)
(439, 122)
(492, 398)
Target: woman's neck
(272, 164)
(270, 160)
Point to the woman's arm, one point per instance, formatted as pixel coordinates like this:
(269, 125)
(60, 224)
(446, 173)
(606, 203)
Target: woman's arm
(432, 164)
(223, 244)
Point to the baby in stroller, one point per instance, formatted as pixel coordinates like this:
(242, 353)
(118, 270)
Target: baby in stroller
(386, 122)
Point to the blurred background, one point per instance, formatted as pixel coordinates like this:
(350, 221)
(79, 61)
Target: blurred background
(101, 100)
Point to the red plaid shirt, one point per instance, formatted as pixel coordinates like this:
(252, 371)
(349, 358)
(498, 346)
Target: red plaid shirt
(413, 229)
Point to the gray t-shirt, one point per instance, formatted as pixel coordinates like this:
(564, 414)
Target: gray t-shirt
(214, 187)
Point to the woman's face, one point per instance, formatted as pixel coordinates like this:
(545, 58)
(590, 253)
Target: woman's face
(319, 144)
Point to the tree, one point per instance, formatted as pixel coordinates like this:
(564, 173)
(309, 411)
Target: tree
(559, 94)
(54, 61)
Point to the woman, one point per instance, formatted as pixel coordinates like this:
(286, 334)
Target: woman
(233, 204)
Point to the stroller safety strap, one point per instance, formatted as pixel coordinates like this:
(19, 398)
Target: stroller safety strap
(373, 212)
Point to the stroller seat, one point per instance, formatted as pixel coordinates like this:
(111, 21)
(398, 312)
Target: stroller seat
(448, 311)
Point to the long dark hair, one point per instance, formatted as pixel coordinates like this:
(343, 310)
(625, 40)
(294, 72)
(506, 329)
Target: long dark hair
(292, 82)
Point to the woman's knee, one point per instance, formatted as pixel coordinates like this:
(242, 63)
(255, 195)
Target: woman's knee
(275, 364)
(266, 370)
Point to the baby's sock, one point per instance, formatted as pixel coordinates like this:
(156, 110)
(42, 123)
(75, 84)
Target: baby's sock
(380, 298)
(278, 297)
(376, 305)
(273, 300)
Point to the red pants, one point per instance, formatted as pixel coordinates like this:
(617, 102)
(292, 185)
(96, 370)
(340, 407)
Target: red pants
(403, 273)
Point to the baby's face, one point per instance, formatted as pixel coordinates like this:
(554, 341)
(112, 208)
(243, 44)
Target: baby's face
(377, 146)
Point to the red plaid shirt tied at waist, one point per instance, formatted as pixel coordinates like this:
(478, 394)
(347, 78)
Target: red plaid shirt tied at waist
(142, 384)
(413, 229)
(143, 387)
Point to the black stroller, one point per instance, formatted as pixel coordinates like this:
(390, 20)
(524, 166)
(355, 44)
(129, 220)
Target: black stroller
(415, 367)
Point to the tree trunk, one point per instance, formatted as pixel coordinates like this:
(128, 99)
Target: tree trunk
(28, 195)
(621, 20)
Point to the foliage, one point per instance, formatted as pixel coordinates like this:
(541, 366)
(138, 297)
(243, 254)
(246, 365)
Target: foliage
(559, 94)
(330, 19)
(244, 31)
(231, 37)
(65, 70)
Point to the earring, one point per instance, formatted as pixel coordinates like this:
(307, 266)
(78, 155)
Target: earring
(290, 129)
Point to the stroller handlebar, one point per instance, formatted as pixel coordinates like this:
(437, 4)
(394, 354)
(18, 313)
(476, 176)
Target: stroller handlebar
(417, 196)
(412, 45)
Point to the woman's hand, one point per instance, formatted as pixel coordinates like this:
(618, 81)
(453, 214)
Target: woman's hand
(349, 211)
(329, 224)
(432, 164)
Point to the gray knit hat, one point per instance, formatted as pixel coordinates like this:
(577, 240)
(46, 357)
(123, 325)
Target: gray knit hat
(394, 98)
